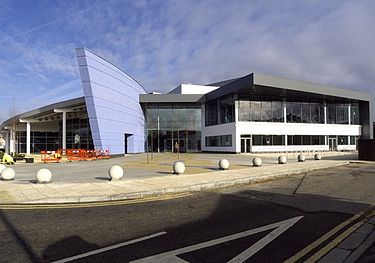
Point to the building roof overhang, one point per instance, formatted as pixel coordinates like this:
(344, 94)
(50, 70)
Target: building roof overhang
(258, 84)
(170, 98)
(46, 112)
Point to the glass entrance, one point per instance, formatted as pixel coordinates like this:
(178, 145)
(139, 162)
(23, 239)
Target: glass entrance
(332, 144)
(245, 144)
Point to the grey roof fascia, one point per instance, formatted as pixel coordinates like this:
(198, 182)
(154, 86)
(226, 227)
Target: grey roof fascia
(255, 79)
(301, 86)
(223, 83)
(169, 98)
(231, 87)
(44, 110)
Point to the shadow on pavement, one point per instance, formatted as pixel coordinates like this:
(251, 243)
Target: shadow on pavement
(22, 242)
(69, 246)
(192, 221)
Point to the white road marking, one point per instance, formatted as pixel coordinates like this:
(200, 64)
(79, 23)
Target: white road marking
(171, 256)
(97, 251)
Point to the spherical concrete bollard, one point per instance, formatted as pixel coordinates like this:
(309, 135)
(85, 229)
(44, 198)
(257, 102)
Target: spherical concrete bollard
(8, 174)
(301, 158)
(43, 176)
(2, 167)
(317, 156)
(116, 173)
(223, 164)
(257, 161)
(178, 167)
(282, 159)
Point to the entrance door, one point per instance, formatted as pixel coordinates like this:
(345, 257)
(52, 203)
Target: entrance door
(332, 144)
(245, 145)
(126, 142)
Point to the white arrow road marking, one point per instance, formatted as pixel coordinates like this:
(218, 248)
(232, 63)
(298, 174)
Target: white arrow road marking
(97, 251)
(171, 256)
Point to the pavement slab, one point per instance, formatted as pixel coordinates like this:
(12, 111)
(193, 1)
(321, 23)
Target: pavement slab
(129, 188)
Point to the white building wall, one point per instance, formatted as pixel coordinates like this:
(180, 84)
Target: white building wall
(193, 89)
(276, 128)
(272, 128)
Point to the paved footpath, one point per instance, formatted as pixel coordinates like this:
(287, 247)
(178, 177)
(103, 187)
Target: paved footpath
(21, 192)
(352, 244)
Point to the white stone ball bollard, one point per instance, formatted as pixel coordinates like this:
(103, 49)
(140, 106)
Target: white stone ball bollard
(116, 173)
(223, 164)
(317, 156)
(2, 167)
(178, 167)
(8, 174)
(282, 159)
(301, 158)
(257, 161)
(43, 176)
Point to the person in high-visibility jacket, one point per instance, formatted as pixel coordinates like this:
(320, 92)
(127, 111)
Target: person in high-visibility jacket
(8, 159)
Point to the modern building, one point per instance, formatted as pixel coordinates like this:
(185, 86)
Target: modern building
(253, 113)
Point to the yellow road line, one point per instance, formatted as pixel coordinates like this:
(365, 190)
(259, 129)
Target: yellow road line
(92, 204)
(328, 235)
(334, 243)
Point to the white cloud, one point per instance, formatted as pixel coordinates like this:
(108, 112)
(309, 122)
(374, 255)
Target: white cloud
(164, 43)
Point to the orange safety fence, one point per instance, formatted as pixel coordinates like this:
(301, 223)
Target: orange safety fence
(85, 155)
(103, 154)
(51, 156)
(73, 155)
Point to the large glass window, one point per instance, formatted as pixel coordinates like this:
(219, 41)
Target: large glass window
(342, 116)
(211, 116)
(354, 113)
(306, 140)
(296, 112)
(244, 110)
(261, 140)
(277, 111)
(316, 113)
(218, 141)
(220, 111)
(169, 124)
(342, 140)
(78, 136)
(305, 113)
(226, 109)
(266, 111)
(256, 107)
(331, 111)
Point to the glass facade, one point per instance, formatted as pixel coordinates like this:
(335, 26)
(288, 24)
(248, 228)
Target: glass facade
(304, 112)
(78, 136)
(269, 109)
(268, 140)
(40, 141)
(220, 111)
(260, 109)
(169, 124)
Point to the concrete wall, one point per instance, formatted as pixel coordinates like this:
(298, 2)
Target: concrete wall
(112, 101)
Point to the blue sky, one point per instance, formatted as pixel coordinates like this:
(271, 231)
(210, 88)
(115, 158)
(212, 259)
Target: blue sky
(168, 42)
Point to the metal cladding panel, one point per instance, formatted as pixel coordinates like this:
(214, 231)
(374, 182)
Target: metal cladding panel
(112, 100)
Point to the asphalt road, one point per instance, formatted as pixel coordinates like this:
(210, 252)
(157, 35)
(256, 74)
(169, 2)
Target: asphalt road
(283, 217)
